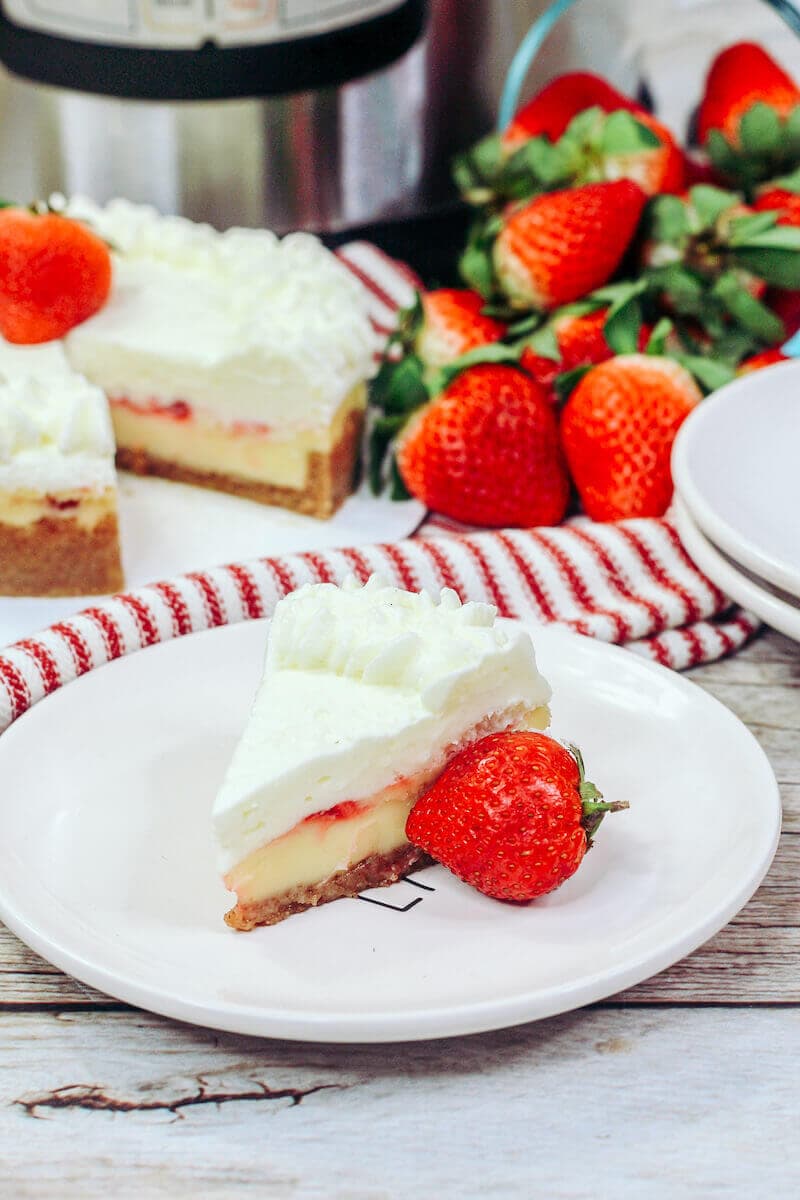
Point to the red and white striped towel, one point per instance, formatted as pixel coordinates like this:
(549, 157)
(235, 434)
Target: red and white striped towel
(631, 583)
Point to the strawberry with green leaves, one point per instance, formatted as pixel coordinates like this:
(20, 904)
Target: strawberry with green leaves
(597, 146)
(550, 111)
(617, 430)
(573, 338)
(512, 815)
(54, 274)
(450, 323)
(749, 117)
(709, 259)
(556, 248)
(781, 196)
(486, 450)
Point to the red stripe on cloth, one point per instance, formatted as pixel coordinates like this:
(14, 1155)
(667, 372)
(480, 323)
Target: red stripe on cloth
(672, 533)
(617, 579)
(577, 587)
(148, 629)
(399, 268)
(445, 569)
(247, 588)
(404, 569)
(212, 601)
(45, 662)
(659, 573)
(361, 568)
(319, 566)
(112, 638)
(17, 687)
(178, 608)
(499, 598)
(285, 580)
(533, 585)
(81, 655)
(368, 282)
(696, 650)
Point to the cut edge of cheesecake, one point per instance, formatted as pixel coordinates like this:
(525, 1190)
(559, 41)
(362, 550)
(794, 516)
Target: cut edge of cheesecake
(363, 842)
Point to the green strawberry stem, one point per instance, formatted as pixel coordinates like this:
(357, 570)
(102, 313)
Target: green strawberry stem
(592, 804)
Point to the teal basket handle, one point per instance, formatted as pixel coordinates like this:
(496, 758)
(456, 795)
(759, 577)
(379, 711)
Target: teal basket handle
(531, 44)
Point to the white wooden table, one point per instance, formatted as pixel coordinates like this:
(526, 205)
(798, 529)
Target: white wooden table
(686, 1086)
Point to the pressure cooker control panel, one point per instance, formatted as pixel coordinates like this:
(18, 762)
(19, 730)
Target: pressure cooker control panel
(187, 24)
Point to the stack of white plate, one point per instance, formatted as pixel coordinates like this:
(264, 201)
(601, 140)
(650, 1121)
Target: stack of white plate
(736, 466)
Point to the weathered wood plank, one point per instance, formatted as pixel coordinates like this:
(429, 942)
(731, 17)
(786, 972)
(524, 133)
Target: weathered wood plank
(626, 1102)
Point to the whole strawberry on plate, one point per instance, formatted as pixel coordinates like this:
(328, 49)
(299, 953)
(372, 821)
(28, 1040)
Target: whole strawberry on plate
(617, 430)
(512, 814)
(54, 274)
(486, 450)
(749, 117)
(556, 248)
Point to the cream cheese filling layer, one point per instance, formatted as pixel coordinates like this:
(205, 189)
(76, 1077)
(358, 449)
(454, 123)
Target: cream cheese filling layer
(248, 451)
(322, 845)
(85, 509)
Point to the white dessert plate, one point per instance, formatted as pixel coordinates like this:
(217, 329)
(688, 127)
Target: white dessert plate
(778, 611)
(735, 466)
(170, 528)
(107, 864)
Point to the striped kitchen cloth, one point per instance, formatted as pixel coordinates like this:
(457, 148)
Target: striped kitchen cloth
(631, 583)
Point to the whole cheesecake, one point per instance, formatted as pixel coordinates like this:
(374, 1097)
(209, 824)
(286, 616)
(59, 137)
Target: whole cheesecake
(366, 695)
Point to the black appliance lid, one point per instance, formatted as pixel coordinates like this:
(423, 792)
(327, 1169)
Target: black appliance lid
(213, 72)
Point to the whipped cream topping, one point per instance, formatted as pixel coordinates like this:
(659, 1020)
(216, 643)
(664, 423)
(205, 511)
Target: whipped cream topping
(242, 324)
(380, 635)
(55, 432)
(363, 687)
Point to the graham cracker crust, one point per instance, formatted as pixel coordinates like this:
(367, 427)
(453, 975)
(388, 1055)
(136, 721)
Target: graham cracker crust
(379, 870)
(56, 557)
(331, 477)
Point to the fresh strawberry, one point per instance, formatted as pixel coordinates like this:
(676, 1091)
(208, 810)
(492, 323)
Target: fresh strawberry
(453, 323)
(617, 431)
(659, 168)
(550, 111)
(565, 244)
(782, 196)
(581, 342)
(512, 815)
(767, 358)
(54, 273)
(709, 258)
(596, 147)
(749, 118)
(740, 76)
(786, 305)
(486, 451)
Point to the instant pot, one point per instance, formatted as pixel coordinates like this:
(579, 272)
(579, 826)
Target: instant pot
(316, 114)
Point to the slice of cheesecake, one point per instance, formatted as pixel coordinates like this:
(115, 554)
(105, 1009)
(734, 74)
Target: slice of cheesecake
(366, 694)
(236, 361)
(58, 497)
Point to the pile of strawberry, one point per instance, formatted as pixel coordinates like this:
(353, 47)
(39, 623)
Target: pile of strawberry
(613, 280)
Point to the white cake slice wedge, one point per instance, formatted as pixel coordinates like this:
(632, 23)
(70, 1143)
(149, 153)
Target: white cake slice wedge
(367, 693)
